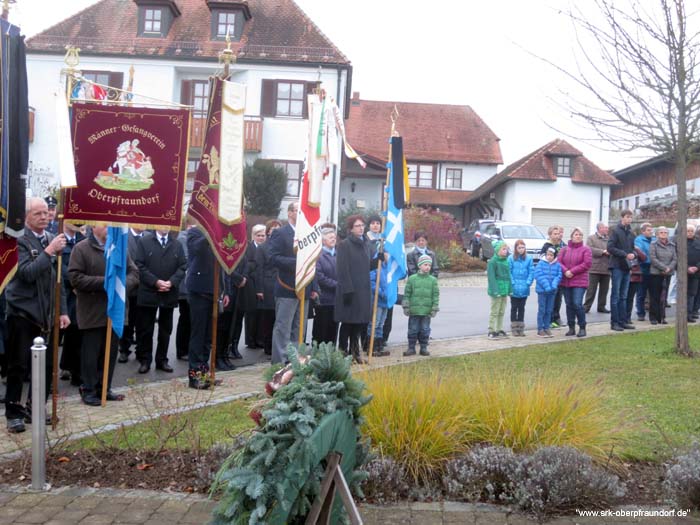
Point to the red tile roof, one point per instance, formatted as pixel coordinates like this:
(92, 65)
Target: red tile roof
(431, 132)
(438, 197)
(538, 165)
(278, 31)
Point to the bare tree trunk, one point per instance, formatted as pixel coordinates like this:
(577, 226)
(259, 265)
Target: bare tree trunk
(682, 345)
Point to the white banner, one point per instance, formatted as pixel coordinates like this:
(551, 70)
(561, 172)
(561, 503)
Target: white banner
(232, 152)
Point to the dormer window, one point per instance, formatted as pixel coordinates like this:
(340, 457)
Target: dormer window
(562, 166)
(152, 21)
(156, 17)
(228, 16)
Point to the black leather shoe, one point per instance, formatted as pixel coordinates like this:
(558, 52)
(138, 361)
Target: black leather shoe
(91, 399)
(123, 358)
(581, 332)
(235, 354)
(617, 328)
(229, 364)
(144, 368)
(15, 426)
(603, 311)
(165, 367)
(222, 366)
(198, 384)
(572, 331)
(629, 326)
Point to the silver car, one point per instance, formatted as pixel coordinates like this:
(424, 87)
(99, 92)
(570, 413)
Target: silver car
(509, 232)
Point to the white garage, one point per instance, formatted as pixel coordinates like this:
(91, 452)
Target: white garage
(543, 218)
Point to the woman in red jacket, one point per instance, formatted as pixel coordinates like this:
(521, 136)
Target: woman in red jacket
(575, 260)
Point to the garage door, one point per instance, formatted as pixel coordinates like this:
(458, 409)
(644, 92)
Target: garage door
(544, 218)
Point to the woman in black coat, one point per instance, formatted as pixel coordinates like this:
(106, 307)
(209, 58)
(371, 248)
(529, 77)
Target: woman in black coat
(353, 297)
(266, 276)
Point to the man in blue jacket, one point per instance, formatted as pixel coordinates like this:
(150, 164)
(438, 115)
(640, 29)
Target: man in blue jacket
(643, 242)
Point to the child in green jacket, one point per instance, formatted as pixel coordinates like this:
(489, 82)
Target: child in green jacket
(500, 288)
(420, 303)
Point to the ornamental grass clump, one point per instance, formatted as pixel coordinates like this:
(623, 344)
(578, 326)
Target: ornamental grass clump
(682, 480)
(423, 417)
(416, 418)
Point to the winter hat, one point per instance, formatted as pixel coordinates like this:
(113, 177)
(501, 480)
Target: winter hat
(551, 250)
(423, 259)
(497, 246)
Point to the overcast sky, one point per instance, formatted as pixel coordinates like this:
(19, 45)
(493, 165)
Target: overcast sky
(476, 53)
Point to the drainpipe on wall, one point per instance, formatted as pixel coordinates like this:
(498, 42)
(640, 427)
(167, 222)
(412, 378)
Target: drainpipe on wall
(600, 208)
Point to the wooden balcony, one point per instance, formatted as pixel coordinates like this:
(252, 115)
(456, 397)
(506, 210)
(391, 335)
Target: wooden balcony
(253, 127)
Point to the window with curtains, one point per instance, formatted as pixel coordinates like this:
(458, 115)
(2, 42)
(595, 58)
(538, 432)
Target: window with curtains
(453, 178)
(106, 78)
(421, 175)
(293, 169)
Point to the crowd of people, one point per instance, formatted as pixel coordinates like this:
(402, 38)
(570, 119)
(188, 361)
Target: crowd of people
(636, 269)
(168, 270)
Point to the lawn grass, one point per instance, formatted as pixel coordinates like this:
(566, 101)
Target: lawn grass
(654, 391)
(203, 428)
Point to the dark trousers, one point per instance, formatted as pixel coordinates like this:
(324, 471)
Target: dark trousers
(517, 309)
(70, 353)
(641, 294)
(129, 335)
(200, 331)
(631, 295)
(619, 283)
(252, 333)
(182, 334)
(387, 323)
(92, 359)
(238, 327)
(21, 338)
(325, 328)
(223, 332)
(350, 334)
(658, 286)
(146, 321)
(266, 322)
(601, 282)
(693, 282)
(574, 306)
(419, 328)
(556, 316)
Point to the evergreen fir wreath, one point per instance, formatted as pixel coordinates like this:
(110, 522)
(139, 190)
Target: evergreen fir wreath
(314, 410)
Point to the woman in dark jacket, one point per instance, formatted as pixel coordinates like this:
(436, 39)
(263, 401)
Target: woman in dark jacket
(266, 276)
(325, 328)
(352, 293)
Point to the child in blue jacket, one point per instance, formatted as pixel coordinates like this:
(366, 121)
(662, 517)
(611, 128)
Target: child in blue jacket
(522, 273)
(547, 277)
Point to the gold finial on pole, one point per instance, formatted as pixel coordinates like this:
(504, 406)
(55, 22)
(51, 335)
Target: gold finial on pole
(394, 120)
(227, 56)
(6, 8)
(72, 61)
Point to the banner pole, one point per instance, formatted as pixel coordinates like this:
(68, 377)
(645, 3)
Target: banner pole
(214, 321)
(385, 205)
(105, 368)
(301, 314)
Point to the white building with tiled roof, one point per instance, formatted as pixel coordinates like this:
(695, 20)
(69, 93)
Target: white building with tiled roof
(173, 46)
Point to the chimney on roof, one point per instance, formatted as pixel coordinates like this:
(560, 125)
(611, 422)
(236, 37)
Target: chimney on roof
(355, 98)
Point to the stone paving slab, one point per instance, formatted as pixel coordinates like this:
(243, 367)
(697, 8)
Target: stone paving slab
(151, 400)
(131, 507)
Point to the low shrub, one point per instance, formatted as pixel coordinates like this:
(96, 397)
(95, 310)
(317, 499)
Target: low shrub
(485, 473)
(440, 227)
(682, 480)
(556, 479)
(453, 258)
(385, 482)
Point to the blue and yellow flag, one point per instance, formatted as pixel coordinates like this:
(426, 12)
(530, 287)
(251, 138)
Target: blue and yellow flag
(393, 231)
(116, 250)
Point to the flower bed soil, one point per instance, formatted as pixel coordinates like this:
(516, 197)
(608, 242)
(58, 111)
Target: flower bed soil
(187, 472)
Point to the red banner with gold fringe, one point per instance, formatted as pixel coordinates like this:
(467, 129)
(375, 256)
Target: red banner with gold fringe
(131, 165)
(228, 241)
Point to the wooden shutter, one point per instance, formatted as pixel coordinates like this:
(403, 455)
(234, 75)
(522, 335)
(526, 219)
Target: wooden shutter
(186, 92)
(116, 80)
(268, 97)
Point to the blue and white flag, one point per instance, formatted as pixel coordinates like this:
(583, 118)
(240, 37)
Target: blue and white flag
(394, 241)
(116, 250)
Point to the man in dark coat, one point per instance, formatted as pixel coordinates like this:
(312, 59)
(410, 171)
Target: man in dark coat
(161, 262)
(200, 295)
(30, 306)
(52, 227)
(353, 295)
(265, 280)
(621, 250)
(286, 329)
(129, 336)
(182, 335)
(71, 337)
(87, 275)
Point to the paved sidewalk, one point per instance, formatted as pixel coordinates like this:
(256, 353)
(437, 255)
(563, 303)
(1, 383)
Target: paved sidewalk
(86, 506)
(153, 399)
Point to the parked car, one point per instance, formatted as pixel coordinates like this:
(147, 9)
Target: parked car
(511, 232)
(471, 236)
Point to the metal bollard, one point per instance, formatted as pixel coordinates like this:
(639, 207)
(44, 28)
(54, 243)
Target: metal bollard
(38, 414)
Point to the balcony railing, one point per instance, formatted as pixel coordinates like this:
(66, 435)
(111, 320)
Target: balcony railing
(252, 133)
